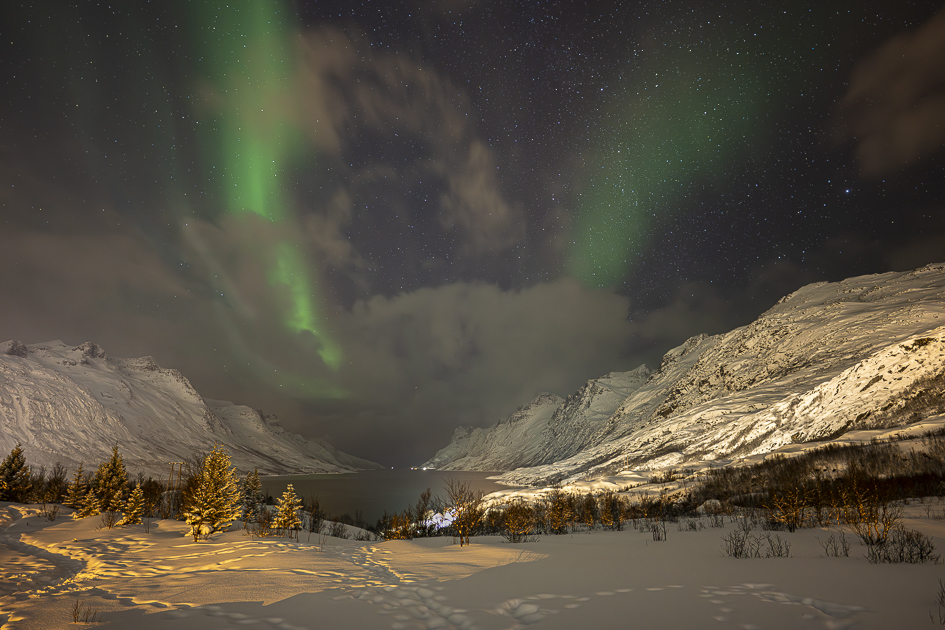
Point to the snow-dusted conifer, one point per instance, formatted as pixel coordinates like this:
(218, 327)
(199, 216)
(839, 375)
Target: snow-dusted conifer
(253, 496)
(14, 476)
(88, 506)
(109, 483)
(134, 507)
(215, 502)
(287, 511)
(76, 489)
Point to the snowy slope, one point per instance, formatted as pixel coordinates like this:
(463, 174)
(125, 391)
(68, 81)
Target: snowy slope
(72, 404)
(822, 361)
(487, 449)
(543, 431)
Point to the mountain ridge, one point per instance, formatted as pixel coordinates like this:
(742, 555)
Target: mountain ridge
(71, 404)
(740, 392)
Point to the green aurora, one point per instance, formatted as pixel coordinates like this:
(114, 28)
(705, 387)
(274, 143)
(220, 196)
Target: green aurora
(667, 135)
(246, 58)
(689, 113)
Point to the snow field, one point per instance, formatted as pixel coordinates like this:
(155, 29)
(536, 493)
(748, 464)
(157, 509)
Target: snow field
(593, 579)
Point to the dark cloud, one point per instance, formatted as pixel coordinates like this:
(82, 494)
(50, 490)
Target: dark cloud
(348, 91)
(104, 285)
(894, 108)
(470, 353)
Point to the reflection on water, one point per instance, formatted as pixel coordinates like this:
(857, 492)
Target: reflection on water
(374, 491)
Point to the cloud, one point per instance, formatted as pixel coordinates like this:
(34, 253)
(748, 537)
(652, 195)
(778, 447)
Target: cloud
(98, 284)
(894, 109)
(483, 339)
(346, 89)
(420, 363)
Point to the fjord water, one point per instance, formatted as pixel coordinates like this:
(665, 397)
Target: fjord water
(374, 491)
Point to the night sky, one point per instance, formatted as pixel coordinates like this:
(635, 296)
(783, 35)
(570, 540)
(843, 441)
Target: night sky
(381, 220)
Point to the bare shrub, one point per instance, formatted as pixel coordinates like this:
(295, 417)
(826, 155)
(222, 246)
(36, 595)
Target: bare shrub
(745, 524)
(50, 511)
(338, 529)
(108, 520)
(658, 529)
(836, 545)
(83, 613)
(690, 525)
(872, 519)
(941, 605)
(868, 511)
(777, 547)
(903, 546)
(740, 544)
(261, 527)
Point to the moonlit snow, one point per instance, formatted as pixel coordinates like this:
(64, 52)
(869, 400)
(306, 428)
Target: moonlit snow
(151, 577)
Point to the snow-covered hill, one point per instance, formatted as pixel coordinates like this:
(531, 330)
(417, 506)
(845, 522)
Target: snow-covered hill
(72, 404)
(826, 359)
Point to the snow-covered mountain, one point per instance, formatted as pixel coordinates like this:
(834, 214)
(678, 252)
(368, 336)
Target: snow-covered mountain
(72, 404)
(545, 430)
(826, 359)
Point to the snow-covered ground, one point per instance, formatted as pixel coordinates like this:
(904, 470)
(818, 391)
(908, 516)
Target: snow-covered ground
(162, 579)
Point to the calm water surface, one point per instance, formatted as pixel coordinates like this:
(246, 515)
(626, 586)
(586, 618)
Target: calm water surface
(374, 491)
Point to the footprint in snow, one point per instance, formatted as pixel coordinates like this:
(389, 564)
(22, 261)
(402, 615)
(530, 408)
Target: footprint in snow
(838, 616)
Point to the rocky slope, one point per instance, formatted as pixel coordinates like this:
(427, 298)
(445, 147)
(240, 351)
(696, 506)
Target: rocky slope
(824, 360)
(72, 404)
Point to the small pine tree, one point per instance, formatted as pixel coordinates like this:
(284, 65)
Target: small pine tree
(109, 483)
(287, 511)
(15, 481)
(76, 490)
(253, 496)
(89, 505)
(134, 508)
(215, 501)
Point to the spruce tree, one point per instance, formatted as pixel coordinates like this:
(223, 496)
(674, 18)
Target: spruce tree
(253, 496)
(215, 502)
(89, 505)
(287, 511)
(109, 483)
(134, 508)
(15, 479)
(76, 490)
